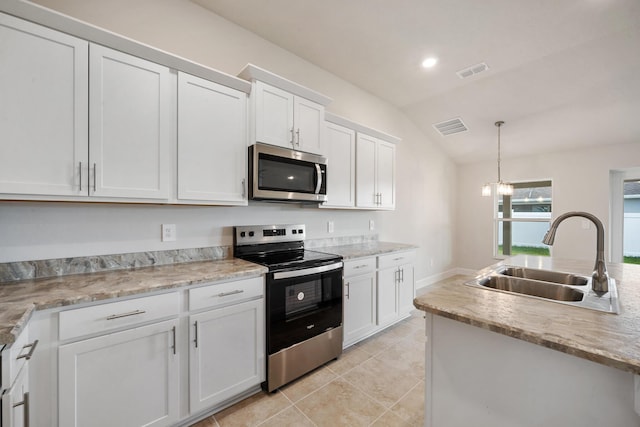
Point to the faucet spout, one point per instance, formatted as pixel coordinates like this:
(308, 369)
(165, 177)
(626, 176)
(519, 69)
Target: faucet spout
(600, 277)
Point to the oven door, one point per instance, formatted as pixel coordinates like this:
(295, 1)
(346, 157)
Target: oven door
(282, 174)
(302, 304)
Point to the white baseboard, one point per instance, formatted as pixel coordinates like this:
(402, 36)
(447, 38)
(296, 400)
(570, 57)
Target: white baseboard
(430, 280)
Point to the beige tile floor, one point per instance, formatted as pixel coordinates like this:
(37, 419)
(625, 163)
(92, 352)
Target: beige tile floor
(377, 382)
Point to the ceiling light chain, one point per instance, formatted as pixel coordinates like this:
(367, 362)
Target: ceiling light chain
(502, 188)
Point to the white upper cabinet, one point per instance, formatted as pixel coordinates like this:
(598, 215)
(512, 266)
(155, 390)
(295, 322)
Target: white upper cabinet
(130, 116)
(43, 110)
(375, 173)
(273, 115)
(308, 123)
(286, 120)
(340, 149)
(283, 113)
(212, 142)
(83, 122)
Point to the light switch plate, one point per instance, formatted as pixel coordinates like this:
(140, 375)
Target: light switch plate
(168, 233)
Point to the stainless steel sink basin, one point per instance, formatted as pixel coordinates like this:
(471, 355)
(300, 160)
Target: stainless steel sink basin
(557, 287)
(532, 288)
(544, 275)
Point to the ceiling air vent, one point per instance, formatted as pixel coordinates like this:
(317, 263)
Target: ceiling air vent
(451, 126)
(473, 70)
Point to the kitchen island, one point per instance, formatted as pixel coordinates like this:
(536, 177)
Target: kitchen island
(500, 359)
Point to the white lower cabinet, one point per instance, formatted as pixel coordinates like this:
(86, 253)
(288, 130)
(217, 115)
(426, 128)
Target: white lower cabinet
(359, 307)
(395, 286)
(128, 378)
(15, 402)
(227, 353)
(14, 409)
(378, 292)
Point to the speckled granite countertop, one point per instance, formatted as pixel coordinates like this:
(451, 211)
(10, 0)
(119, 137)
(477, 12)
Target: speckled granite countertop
(361, 250)
(609, 339)
(18, 300)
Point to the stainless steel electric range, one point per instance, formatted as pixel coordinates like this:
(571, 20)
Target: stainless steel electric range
(303, 299)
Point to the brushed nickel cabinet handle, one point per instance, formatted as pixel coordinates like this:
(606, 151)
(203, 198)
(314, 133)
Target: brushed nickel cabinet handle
(131, 313)
(226, 294)
(25, 402)
(94, 177)
(244, 188)
(80, 167)
(32, 348)
(293, 137)
(348, 288)
(173, 330)
(195, 334)
(298, 135)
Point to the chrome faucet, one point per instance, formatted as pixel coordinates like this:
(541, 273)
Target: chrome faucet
(600, 277)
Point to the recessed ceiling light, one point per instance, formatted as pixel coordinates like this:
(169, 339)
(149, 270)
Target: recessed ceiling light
(429, 62)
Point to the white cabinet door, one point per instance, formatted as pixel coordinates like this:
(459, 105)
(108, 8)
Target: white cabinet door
(406, 290)
(366, 171)
(375, 169)
(308, 118)
(340, 149)
(359, 307)
(212, 143)
(15, 402)
(130, 116)
(286, 120)
(43, 110)
(227, 353)
(127, 378)
(273, 115)
(387, 296)
(385, 174)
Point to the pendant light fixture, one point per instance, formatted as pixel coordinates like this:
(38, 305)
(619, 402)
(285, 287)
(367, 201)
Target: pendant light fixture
(502, 188)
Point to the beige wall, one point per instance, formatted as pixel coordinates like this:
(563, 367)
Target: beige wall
(580, 183)
(425, 175)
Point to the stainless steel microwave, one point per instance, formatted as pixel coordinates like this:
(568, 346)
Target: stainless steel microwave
(282, 174)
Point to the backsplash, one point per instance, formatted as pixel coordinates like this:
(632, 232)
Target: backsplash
(23, 270)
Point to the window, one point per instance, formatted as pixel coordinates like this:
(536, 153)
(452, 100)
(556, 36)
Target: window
(631, 227)
(521, 220)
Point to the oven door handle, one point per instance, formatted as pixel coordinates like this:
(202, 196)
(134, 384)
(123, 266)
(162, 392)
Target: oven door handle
(307, 271)
(319, 180)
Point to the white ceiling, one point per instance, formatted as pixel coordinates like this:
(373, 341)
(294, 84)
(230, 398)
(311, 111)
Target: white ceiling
(564, 74)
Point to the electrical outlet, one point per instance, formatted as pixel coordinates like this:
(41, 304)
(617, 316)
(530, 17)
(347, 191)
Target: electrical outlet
(329, 226)
(168, 233)
(372, 225)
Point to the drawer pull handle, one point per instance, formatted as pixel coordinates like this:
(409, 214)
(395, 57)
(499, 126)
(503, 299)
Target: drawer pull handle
(226, 294)
(32, 347)
(131, 313)
(360, 266)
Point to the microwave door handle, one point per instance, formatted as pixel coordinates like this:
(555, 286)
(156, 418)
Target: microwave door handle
(319, 180)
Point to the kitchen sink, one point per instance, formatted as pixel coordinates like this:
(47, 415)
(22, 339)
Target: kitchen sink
(546, 285)
(532, 288)
(544, 275)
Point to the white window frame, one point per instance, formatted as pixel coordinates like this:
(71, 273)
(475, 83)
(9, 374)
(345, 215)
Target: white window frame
(497, 220)
(617, 178)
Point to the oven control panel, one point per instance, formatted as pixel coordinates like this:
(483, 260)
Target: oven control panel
(257, 234)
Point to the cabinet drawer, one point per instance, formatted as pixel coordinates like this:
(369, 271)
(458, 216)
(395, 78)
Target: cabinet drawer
(396, 258)
(109, 316)
(14, 358)
(359, 266)
(224, 293)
